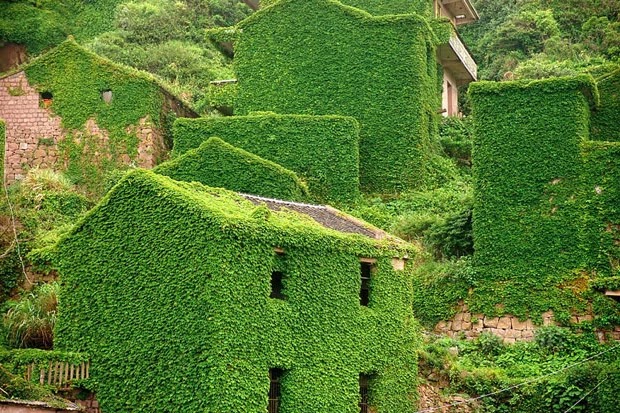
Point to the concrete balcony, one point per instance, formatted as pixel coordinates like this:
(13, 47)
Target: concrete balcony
(455, 58)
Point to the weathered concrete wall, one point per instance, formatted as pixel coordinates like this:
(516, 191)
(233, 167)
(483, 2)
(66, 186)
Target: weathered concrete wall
(33, 133)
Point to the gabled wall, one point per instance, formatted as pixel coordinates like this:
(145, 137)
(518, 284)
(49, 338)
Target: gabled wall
(167, 286)
(76, 130)
(320, 57)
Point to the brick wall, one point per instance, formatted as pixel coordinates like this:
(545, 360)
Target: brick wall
(33, 133)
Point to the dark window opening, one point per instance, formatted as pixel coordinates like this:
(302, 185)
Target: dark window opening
(366, 271)
(364, 384)
(277, 286)
(275, 375)
(46, 98)
(106, 96)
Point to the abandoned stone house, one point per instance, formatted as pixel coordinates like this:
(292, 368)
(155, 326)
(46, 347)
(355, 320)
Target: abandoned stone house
(214, 301)
(71, 101)
(378, 63)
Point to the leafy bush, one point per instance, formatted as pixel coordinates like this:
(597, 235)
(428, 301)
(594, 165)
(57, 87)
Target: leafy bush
(453, 236)
(553, 339)
(30, 321)
(489, 344)
(456, 136)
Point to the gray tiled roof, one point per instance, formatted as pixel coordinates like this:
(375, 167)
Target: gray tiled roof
(325, 215)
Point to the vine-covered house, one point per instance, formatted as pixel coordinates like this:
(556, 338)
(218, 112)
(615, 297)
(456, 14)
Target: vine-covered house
(190, 298)
(379, 62)
(70, 110)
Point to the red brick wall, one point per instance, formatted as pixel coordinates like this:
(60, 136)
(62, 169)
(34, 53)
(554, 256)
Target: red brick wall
(29, 128)
(33, 133)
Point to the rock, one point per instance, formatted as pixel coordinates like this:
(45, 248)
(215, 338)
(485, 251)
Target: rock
(505, 323)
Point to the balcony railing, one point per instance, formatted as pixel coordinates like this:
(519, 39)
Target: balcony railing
(57, 373)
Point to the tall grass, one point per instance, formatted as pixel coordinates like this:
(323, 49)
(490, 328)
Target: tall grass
(29, 322)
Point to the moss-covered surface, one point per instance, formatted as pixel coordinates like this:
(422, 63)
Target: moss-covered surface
(167, 285)
(382, 7)
(323, 150)
(217, 163)
(606, 118)
(321, 57)
(601, 194)
(542, 229)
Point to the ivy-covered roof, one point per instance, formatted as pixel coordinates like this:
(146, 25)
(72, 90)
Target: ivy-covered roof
(70, 48)
(345, 9)
(242, 210)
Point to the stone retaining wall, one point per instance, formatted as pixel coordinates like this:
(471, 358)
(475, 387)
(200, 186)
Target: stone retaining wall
(508, 327)
(90, 404)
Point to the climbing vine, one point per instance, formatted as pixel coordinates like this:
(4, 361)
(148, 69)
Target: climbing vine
(172, 303)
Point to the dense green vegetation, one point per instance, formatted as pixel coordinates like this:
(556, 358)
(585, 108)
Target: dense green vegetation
(542, 38)
(216, 163)
(164, 37)
(544, 206)
(559, 371)
(605, 120)
(526, 216)
(389, 85)
(323, 150)
(205, 286)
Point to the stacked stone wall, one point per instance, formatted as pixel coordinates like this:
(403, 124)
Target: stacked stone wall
(508, 327)
(90, 404)
(32, 132)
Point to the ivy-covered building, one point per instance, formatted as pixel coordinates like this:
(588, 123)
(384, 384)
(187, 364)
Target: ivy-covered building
(189, 298)
(546, 219)
(74, 111)
(372, 60)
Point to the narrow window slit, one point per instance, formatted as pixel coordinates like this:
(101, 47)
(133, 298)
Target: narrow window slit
(364, 381)
(366, 268)
(275, 375)
(277, 285)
